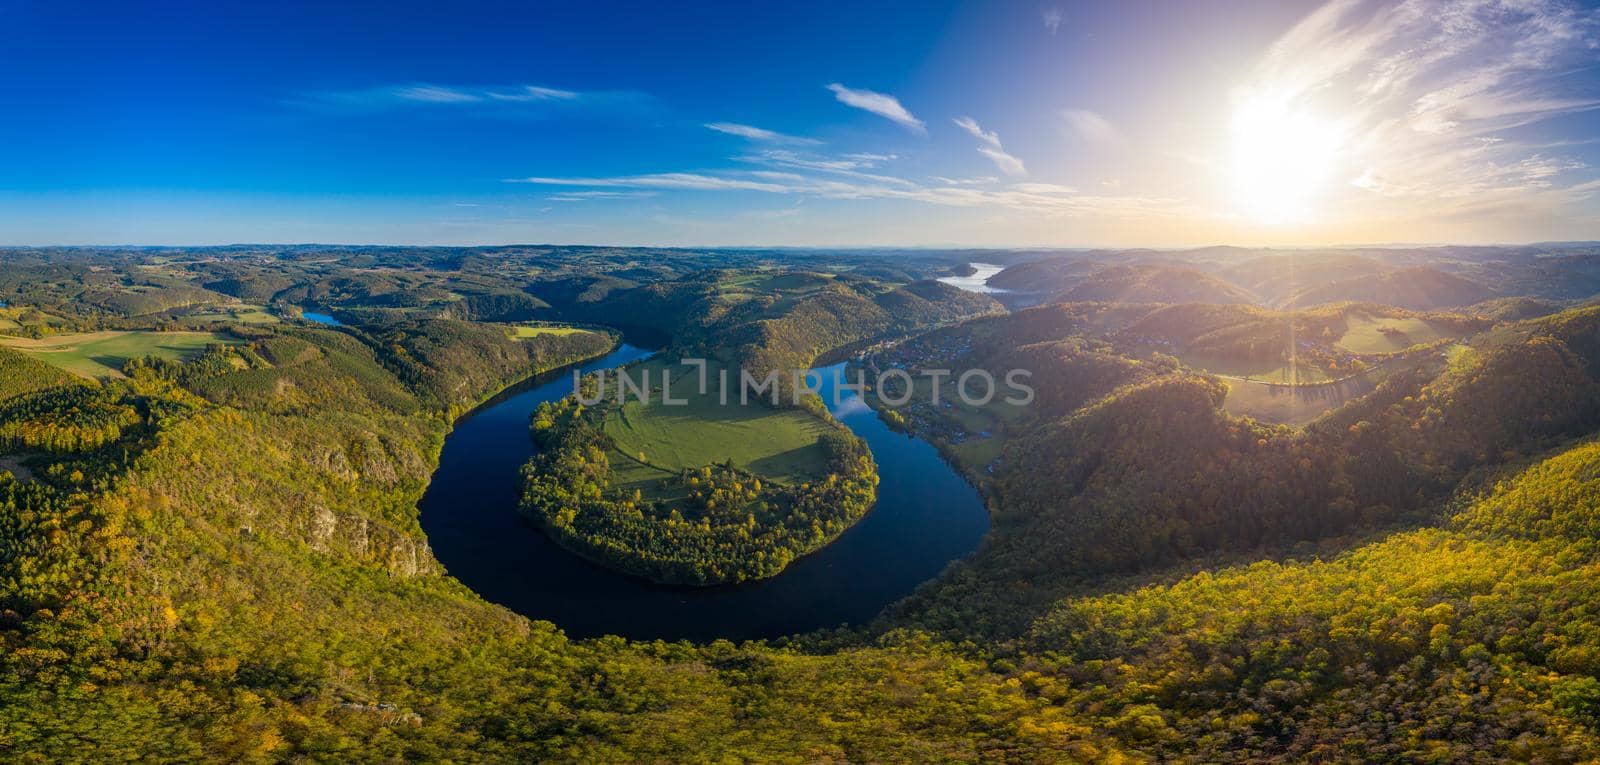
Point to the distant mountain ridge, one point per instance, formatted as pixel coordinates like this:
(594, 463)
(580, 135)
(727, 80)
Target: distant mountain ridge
(1421, 279)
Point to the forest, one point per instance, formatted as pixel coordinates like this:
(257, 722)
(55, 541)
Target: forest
(217, 555)
(708, 525)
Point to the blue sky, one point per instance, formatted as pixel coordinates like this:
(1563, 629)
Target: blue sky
(927, 123)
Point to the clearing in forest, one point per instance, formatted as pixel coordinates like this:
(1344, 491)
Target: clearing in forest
(1365, 333)
(102, 354)
(524, 331)
(775, 443)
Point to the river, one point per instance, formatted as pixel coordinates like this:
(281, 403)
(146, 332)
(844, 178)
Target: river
(978, 280)
(925, 517)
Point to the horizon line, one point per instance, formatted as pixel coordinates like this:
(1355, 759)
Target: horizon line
(737, 247)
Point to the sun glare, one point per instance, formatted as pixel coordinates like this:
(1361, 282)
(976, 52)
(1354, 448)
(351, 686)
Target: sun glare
(1282, 157)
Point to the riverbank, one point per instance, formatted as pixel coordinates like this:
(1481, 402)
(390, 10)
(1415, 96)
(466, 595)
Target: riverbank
(926, 516)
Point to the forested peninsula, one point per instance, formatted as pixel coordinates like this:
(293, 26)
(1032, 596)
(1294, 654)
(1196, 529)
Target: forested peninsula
(210, 546)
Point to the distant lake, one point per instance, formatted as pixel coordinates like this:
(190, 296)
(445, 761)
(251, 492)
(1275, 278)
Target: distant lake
(925, 517)
(321, 318)
(978, 281)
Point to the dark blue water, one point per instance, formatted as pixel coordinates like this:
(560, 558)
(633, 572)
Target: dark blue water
(926, 516)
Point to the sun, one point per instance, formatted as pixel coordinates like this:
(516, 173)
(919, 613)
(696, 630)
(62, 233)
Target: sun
(1281, 160)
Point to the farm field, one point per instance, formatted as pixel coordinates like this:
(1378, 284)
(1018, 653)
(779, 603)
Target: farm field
(102, 354)
(1272, 371)
(779, 444)
(1368, 334)
(1292, 405)
(983, 428)
(523, 331)
(14, 318)
(244, 314)
(1298, 405)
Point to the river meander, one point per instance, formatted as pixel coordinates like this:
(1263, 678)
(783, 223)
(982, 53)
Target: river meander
(926, 516)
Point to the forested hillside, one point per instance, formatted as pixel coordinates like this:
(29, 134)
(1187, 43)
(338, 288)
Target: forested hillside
(1418, 288)
(1156, 472)
(218, 556)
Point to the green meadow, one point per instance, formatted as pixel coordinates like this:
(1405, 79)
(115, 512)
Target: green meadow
(1370, 334)
(655, 440)
(1272, 371)
(524, 331)
(974, 450)
(242, 313)
(102, 354)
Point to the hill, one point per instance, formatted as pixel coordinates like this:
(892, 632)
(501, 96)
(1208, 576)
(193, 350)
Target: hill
(1276, 278)
(1154, 284)
(236, 573)
(1420, 288)
(1156, 471)
(1044, 276)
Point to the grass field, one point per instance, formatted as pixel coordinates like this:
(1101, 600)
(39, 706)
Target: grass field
(975, 450)
(779, 444)
(1292, 405)
(19, 317)
(244, 314)
(1267, 371)
(1370, 334)
(101, 354)
(523, 331)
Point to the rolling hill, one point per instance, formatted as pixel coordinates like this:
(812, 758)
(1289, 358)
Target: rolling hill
(1154, 284)
(1420, 288)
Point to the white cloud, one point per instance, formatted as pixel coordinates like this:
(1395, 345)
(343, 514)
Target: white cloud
(585, 196)
(882, 105)
(535, 93)
(991, 147)
(691, 181)
(1044, 188)
(1008, 164)
(971, 126)
(1091, 127)
(1426, 97)
(758, 134)
(433, 94)
(1037, 199)
(852, 165)
(430, 95)
(1052, 18)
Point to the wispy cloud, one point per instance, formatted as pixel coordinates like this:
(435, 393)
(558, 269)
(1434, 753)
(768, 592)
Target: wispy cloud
(1052, 17)
(1044, 188)
(885, 106)
(534, 93)
(682, 181)
(758, 134)
(1090, 126)
(427, 94)
(586, 196)
(991, 147)
(1039, 199)
(1427, 96)
(442, 96)
(853, 165)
